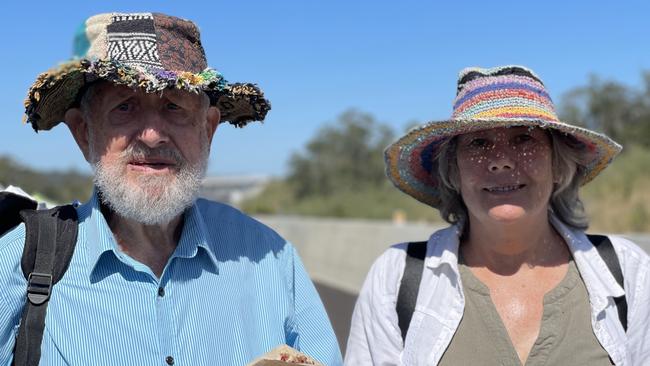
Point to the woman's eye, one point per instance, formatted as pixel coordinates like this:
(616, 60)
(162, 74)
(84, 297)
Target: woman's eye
(524, 137)
(479, 142)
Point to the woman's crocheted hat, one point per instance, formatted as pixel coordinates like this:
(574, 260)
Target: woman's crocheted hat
(504, 96)
(150, 51)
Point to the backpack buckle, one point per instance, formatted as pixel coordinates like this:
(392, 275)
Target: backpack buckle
(39, 286)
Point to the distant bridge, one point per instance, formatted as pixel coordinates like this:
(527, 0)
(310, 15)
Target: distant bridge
(233, 189)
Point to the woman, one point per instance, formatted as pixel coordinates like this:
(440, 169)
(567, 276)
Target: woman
(514, 279)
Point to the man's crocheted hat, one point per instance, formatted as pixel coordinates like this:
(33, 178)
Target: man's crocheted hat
(150, 51)
(504, 96)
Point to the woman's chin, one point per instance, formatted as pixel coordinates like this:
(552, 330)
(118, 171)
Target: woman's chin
(507, 213)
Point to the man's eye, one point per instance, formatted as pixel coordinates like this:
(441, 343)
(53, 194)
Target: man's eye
(173, 107)
(124, 107)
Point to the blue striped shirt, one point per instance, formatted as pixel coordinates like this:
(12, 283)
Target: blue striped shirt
(232, 290)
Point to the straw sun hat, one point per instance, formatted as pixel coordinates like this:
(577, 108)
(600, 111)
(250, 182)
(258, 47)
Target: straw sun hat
(504, 96)
(150, 51)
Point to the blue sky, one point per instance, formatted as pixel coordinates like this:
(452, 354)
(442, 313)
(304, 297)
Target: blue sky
(397, 60)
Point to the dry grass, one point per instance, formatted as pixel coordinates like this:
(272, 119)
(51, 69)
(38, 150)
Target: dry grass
(619, 199)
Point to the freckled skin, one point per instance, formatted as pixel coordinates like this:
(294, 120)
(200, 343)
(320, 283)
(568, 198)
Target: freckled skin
(506, 181)
(502, 157)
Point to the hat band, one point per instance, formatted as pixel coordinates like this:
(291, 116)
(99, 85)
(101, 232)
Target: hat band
(504, 99)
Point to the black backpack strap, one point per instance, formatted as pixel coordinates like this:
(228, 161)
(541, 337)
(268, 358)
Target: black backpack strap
(410, 285)
(607, 252)
(50, 238)
(10, 206)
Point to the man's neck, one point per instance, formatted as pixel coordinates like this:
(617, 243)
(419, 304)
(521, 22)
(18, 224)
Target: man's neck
(151, 245)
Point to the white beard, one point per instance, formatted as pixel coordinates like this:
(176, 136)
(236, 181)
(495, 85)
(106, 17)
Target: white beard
(153, 199)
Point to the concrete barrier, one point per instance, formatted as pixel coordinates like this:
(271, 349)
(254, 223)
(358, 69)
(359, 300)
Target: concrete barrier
(339, 252)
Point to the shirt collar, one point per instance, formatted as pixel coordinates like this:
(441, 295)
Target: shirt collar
(443, 249)
(100, 240)
(598, 279)
(194, 236)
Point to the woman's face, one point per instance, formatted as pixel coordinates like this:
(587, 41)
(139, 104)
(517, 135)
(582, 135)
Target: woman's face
(505, 174)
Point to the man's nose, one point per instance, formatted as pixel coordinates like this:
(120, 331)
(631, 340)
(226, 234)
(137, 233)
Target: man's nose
(154, 132)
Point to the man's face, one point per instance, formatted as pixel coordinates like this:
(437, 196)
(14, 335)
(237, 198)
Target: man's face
(149, 151)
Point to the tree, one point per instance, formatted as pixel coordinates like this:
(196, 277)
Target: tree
(639, 127)
(619, 111)
(57, 186)
(345, 156)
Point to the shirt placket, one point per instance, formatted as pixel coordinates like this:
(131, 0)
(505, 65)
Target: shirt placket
(166, 322)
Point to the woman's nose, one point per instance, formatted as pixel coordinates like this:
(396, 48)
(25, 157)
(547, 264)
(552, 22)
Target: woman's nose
(500, 160)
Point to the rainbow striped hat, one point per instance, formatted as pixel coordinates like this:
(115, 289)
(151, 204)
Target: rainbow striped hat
(503, 96)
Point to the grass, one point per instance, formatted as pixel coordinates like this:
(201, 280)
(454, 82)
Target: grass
(619, 199)
(372, 203)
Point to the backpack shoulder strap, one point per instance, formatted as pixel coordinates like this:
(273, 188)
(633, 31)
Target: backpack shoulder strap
(410, 285)
(607, 252)
(10, 206)
(50, 238)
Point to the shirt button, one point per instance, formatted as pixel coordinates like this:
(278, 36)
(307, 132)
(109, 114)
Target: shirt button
(169, 360)
(161, 293)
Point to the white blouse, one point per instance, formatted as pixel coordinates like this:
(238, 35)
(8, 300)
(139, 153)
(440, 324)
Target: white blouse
(375, 337)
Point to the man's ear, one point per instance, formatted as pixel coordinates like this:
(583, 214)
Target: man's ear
(213, 119)
(78, 126)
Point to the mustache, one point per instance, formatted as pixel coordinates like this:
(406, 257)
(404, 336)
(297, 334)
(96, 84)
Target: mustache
(139, 151)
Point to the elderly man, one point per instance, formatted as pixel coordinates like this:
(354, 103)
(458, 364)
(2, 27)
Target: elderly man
(157, 276)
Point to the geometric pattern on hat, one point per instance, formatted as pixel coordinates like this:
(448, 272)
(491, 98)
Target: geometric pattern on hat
(132, 41)
(150, 51)
(505, 96)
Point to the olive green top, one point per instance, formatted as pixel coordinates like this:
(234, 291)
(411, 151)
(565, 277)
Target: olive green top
(565, 336)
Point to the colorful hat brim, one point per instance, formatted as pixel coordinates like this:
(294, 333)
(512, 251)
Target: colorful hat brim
(55, 91)
(410, 161)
